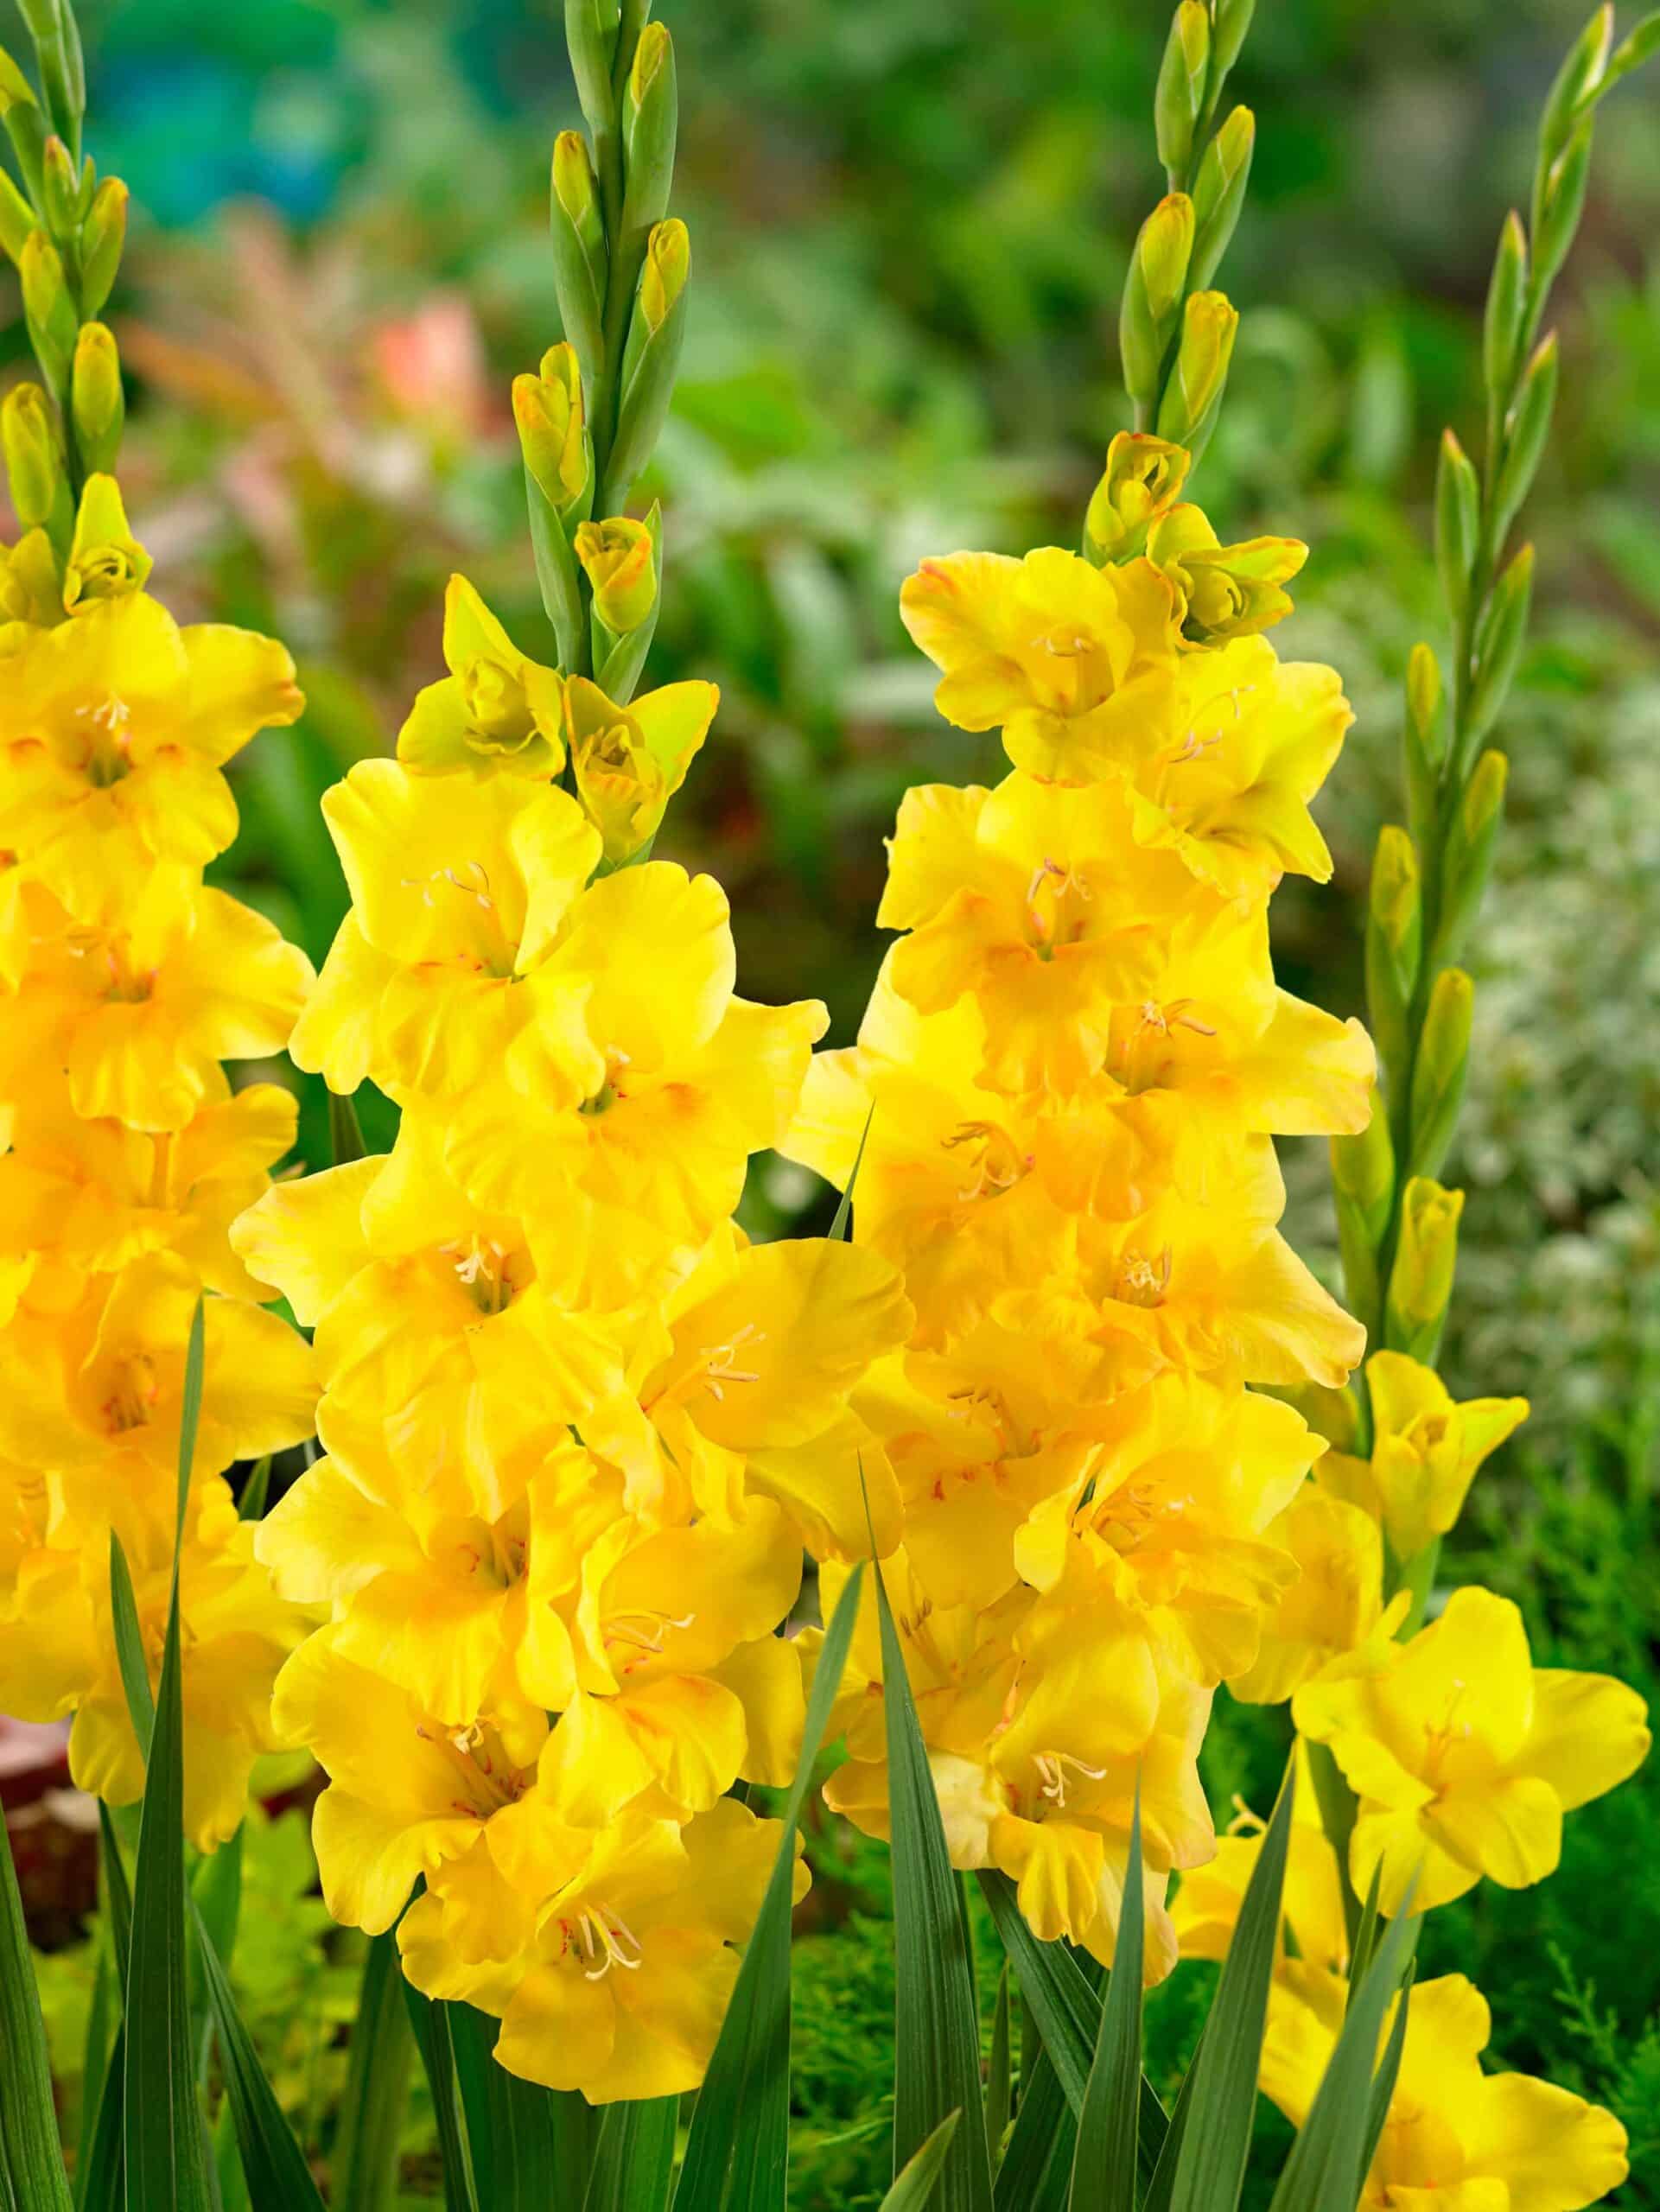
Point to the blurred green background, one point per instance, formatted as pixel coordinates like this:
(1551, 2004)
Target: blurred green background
(910, 219)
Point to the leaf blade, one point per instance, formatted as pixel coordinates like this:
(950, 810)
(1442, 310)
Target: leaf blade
(936, 2047)
(1105, 2165)
(737, 2150)
(165, 2156)
(274, 2165)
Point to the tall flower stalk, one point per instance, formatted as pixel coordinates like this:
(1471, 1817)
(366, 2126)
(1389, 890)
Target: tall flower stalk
(578, 1432)
(125, 984)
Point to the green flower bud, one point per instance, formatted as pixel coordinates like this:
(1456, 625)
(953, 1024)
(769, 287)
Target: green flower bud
(1468, 858)
(35, 466)
(1580, 75)
(1458, 521)
(1394, 945)
(97, 403)
(25, 126)
(1563, 203)
(651, 359)
(578, 235)
(1524, 435)
(17, 218)
(1440, 1070)
(619, 560)
(1423, 743)
(1421, 1280)
(1233, 22)
(60, 187)
(650, 112)
(48, 309)
(591, 28)
(1194, 392)
(1152, 291)
(1507, 300)
(1142, 479)
(103, 236)
(1498, 642)
(1363, 1182)
(1178, 97)
(1219, 193)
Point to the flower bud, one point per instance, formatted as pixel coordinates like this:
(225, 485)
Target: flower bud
(1439, 1071)
(1421, 1282)
(1562, 202)
(1233, 22)
(34, 469)
(1225, 591)
(1195, 391)
(629, 764)
(16, 218)
(1393, 944)
(103, 236)
(48, 308)
(97, 403)
(1500, 640)
(578, 236)
(1220, 194)
(1468, 858)
(1524, 433)
(1142, 478)
(1423, 743)
(655, 332)
(662, 280)
(591, 28)
(1580, 75)
(1458, 522)
(552, 434)
(650, 113)
(1152, 291)
(619, 560)
(58, 183)
(1507, 300)
(1363, 1182)
(25, 125)
(1179, 95)
(106, 560)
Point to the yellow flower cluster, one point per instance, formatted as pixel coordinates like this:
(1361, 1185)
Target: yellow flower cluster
(577, 1430)
(1454, 2134)
(123, 984)
(1072, 1073)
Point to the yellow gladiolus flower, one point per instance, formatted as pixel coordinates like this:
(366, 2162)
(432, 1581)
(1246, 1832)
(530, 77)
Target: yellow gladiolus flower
(1465, 1756)
(1453, 2136)
(764, 1345)
(1335, 1608)
(1075, 663)
(679, 1082)
(459, 888)
(497, 710)
(618, 1985)
(140, 1009)
(1178, 1517)
(1425, 1452)
(407, 1793)
(439, 1345)
(114, 729)
(58, 1654)
(101, 1385)
(630, 761)
(1251, 740)
(79, 1198)
(1206, 1907)
(1224, 591)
